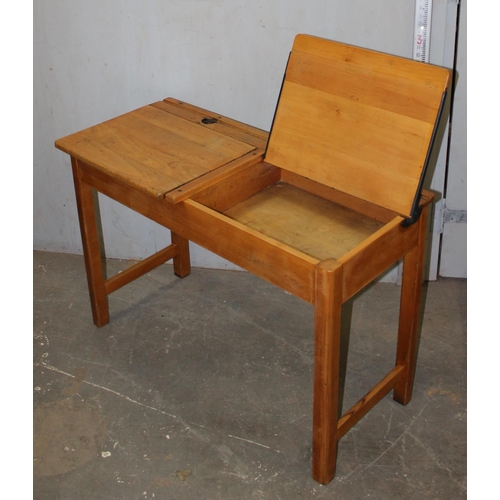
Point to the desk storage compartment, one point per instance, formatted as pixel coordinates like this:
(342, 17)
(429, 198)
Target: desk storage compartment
(316, 220)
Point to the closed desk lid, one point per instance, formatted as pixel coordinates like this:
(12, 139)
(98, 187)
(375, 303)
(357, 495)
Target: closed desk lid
(163, 147)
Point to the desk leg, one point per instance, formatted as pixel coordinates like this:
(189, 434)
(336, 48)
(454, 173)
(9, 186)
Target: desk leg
(328, 305)
(182, 262)
(409, 313)
(91, 248)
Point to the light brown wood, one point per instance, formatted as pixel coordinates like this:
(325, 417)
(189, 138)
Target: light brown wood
(409, 313)
(239, 186)
(363, 207)
(327, 310)
(140, 268)
(356, 120)
(320, 217)
(369, 400)
(91, 242)
(227, 126)
(99, 285)
(249, 249)
(153, 150)
(182, 261)
(192, 188)
(313, 225)
(380, 250)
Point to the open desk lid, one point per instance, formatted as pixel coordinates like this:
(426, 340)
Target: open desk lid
(357, 120)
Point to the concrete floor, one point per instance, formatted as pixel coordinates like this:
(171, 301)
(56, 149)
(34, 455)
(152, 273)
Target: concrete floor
(201, 388)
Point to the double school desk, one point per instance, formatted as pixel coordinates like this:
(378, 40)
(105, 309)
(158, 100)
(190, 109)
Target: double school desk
(320, 206)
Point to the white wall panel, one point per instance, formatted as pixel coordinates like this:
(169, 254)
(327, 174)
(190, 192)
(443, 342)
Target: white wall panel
(453, 258)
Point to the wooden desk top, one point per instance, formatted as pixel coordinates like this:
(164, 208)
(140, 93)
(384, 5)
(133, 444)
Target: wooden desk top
(167, 147)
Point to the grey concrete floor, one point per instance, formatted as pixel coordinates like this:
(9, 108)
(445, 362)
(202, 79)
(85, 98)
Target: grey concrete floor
(201, 388)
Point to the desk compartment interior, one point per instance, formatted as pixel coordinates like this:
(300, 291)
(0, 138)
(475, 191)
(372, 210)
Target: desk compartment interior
(314, 219)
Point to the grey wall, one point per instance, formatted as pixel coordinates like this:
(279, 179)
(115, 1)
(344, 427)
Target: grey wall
(453, 255)
(96, 59)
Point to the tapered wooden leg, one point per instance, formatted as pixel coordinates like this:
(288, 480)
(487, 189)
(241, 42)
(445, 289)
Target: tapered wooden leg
(182, 262)
(406, 355)
(328, 304)
(91, 248)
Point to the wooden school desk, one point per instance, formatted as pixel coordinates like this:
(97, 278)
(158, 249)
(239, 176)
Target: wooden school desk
(320, 207)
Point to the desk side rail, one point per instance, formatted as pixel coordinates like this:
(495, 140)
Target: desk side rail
(279, 264)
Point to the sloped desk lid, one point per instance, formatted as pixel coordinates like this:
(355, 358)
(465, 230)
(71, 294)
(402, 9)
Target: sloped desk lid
(163, 147)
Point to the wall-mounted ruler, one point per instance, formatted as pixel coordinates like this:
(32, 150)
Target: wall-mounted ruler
(422, 33)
